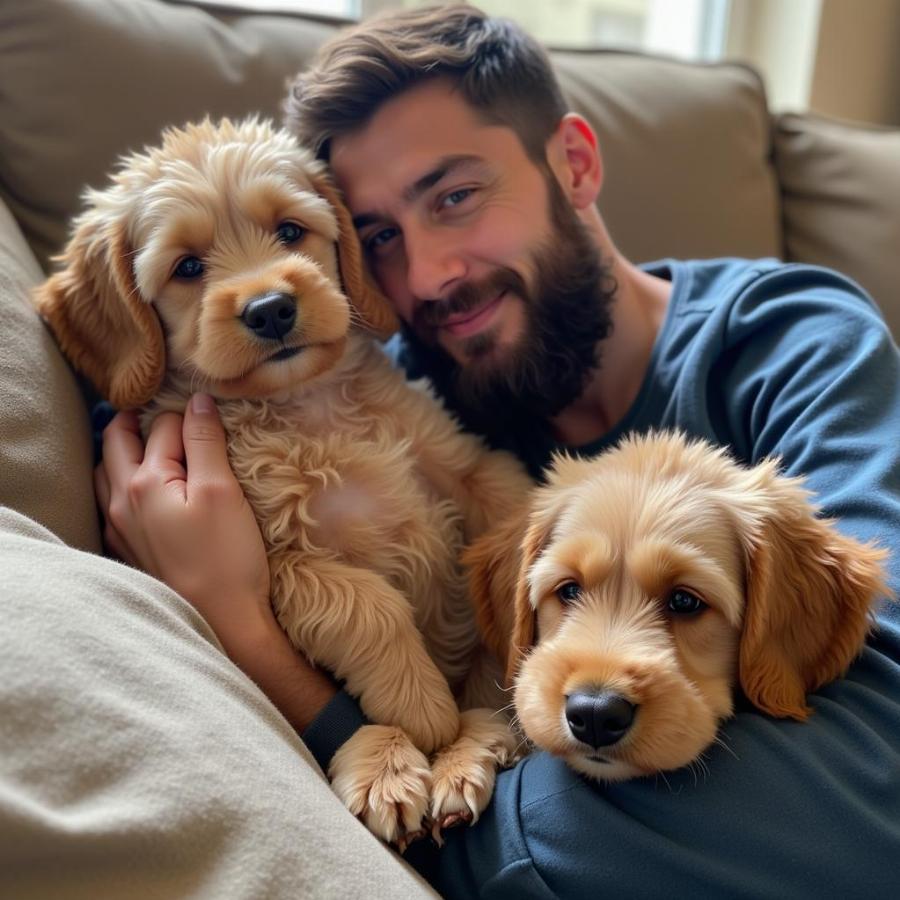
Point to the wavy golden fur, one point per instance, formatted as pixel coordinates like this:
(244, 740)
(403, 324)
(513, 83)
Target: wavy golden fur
(364, 488)
(785, 602)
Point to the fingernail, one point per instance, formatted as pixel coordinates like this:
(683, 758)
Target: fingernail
(203, 404)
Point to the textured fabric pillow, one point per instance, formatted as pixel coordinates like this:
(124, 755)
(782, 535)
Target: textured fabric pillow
(841, 197)
(137, 761)
(686, 151)
(45, 444)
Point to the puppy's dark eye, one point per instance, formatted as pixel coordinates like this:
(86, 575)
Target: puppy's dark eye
(189, 267)
(683, 603)
(289, 232)
(569, 592)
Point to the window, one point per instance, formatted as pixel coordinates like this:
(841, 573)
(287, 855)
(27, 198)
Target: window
(695, 29)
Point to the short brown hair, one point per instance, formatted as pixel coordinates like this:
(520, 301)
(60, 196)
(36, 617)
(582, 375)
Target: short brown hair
(501, 71)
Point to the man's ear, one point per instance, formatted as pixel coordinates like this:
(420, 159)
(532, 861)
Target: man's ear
(372, 306)
(574, 156)
(98, 318)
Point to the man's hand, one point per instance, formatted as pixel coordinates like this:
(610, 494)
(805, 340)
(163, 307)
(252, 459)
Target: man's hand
(175, 510)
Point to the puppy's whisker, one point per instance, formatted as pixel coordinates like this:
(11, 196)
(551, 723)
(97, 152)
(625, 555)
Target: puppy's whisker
(699, 768)
(704, 766)
(356, 319)
(524, 742)
(722, 741)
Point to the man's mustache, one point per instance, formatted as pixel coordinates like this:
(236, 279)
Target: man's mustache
(432, 314)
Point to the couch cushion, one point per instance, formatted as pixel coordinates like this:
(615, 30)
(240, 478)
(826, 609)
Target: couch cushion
(45, 450)
(84, 82)
(686, 150)
(841, 198)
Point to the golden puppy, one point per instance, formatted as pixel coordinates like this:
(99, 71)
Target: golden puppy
(223, 261)
(652, 580)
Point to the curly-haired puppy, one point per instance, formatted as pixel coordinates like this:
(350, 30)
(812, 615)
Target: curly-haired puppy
(223, 261)
(649, 583)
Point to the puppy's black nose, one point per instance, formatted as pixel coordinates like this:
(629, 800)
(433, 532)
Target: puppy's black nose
(599, 718)
(271, 315)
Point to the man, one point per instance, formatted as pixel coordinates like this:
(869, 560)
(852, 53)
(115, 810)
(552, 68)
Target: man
(474, 193)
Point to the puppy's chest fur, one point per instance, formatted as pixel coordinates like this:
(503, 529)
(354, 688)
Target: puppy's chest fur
(334, 472)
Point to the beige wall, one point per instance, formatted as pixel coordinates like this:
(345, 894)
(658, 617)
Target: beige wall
(778, 38)
(857, 67)
(836, 57)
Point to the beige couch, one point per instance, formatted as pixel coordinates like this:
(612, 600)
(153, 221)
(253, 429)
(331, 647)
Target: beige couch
(225, 801)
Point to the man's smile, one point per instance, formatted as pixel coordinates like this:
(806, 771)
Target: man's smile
(470, 322)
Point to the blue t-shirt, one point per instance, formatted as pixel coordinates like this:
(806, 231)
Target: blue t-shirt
(792, 361)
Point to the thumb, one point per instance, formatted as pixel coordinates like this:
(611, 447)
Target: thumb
(204, 441)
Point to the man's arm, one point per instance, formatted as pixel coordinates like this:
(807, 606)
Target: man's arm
(814, 380)
(175, 509)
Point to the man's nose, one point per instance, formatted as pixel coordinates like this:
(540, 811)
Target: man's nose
(434, 264)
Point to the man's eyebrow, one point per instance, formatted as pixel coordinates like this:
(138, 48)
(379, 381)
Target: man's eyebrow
(444, 166)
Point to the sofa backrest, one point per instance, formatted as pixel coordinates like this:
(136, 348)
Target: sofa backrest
(686, 146)
(689, 149)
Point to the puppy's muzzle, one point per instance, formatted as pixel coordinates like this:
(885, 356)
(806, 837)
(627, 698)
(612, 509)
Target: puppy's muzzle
(271, 316)
(599, 718)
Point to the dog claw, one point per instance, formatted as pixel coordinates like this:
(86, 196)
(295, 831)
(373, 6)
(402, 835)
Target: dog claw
(406, 840)
(450, 820)
(457, 818)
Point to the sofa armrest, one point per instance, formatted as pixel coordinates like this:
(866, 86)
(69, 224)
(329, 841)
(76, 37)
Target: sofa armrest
(840, 186)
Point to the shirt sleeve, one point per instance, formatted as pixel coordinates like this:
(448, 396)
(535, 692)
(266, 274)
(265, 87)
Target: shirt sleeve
(336, 723)
(813, 378)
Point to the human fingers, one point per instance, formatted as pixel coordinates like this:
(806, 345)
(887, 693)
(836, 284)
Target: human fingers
(165, 447)
(123, 449)
(101, 488)
(113, 542)
(204, 444)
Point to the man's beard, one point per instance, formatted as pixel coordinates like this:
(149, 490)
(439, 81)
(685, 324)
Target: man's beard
(568, 316)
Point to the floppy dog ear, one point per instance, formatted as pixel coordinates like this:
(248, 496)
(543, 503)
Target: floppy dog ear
(494, 566)
(94, 310)
(810, 590)
(499, 562)
(365, 297)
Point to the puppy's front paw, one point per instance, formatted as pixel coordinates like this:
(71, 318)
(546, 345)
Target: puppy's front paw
(384, 780)
(463, 774)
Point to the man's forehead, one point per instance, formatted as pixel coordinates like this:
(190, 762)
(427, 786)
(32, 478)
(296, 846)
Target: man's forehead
(410, 143)
(418, 126)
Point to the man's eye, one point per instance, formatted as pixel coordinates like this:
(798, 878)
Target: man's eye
(569, 592)
(289, 232)
(189, 267)
(683, 603)
(454, 198)
(378, 240)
